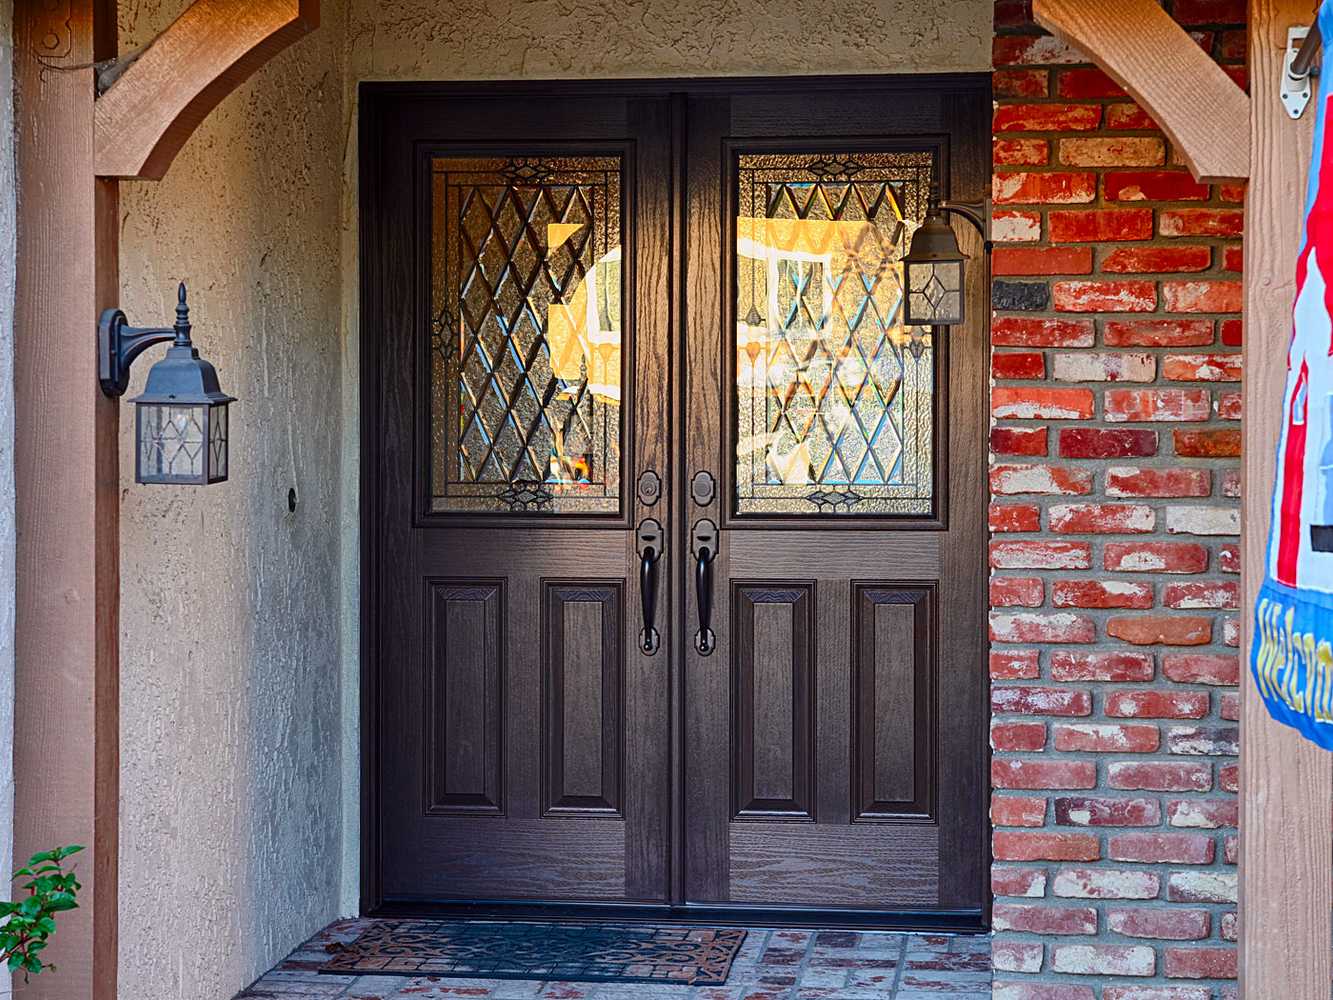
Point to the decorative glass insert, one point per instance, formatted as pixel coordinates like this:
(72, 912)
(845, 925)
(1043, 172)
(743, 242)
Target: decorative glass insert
(181, 444)
(526, 360)
(834, 394)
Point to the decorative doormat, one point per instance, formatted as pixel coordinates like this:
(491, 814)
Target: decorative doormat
(581, 953)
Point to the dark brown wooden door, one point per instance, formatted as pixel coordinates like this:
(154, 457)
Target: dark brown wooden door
(600, 320)
(835, 735)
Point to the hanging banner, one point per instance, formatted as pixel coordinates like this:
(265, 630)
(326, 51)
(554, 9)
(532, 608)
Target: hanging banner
(1292, 654)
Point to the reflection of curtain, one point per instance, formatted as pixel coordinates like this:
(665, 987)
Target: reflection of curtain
(1292, 655)
(583, 330)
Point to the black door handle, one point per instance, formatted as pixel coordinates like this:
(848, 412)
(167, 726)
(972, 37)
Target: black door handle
(650, 543)
(705, 541)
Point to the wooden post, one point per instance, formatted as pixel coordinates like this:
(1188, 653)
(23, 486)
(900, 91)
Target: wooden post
(66, 739)
(1286, 783)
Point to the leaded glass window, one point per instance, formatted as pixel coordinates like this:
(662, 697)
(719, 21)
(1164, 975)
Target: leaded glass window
(834, 394)
(526, 360)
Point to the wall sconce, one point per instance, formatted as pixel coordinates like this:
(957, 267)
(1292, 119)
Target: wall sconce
(934, 265)
(181, 417)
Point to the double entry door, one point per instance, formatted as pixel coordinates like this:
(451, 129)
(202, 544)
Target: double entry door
(674, 554)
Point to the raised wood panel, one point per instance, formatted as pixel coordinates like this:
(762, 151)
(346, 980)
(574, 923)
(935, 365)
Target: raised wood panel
(893, 762)
(583, 679)
(794, 864)
(465, 735)
(755, 552)
(773, 700)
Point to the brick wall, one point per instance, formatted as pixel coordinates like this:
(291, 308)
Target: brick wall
(1114, 586)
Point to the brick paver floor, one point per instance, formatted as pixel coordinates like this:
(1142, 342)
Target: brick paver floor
(774, 964)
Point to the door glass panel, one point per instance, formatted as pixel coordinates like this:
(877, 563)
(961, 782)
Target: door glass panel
(834, 395)
(526, 362)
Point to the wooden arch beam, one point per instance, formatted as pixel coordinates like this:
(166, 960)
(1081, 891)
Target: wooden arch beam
(1201, 109)
(145, 117)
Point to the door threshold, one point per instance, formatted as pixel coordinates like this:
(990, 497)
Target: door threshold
(966, 921)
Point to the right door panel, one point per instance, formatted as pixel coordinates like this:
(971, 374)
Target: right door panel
(834, 735)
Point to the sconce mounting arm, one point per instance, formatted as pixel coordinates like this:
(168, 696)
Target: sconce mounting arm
(118, 343)
(974, 212)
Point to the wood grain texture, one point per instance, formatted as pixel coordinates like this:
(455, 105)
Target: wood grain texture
(1137, 44)
(146, 116)
(66, 738)
(1286, 782)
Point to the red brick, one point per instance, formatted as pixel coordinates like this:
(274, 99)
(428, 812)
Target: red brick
(1158, 993)
(1039, 991)
(1210, 741)
(1104, 442)
(1101, 594)
(1202, 668)
(1161, 848)
(1046, 187)
(1201, 222)
(1086, 83)
(1230, 929)
(1229, 705)
(1159, 776)
(1104, 296)
(1157, 703)
(1040, 479)
(1016, 592)
(1233, 258)
(1076, 665)
(1128, 117)
(1153, 630)
(1107, 738)
(1032, 774)
(1201, 963)
(1228, 558)
(1207, 444)
(1103, 960)
(1099, 225)
(1041, 403)
(1229, 408)
(1034, 331)
(1203, 594)
(1017, 956)
(1018, 737)
(1018, 440)
(1041, 555)
(1015, 665)
(1231, 332)
(1157, 260)
(1041, 260)
(1045, 919)
(1155, 557)
(1158, 405)
(1028, 627)
(1102, 518)
(1040, 701)
(1019, 365)
(1022, 845)
(1202, 296)
(1089, 811)
(1157, 332)
(1013, 811)
(1014, 517)
(1202, 367)
(1030, 50)
(1130, 482)
(1231, 483)
(1203, 814)
(1191, 12)
(1228, 778)
(1154, 185)
(1113, 151)
(1013, 226)
(1020, 152)
(1020, 83)
(1105, 883)
(1006, 880)
(1104, 366)
(1047, 117)
(1167, 924)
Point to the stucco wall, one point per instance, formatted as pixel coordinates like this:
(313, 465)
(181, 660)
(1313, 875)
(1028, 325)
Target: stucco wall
(231, 817)
(7, 259)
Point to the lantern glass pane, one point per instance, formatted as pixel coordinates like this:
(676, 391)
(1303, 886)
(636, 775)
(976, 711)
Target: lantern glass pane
(171, 443)
(217, 443)
(935, 295)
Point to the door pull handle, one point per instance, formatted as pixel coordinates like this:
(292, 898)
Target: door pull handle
(651, 545)
(704, 541)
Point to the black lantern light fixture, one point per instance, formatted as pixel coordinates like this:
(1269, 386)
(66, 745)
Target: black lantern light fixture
(181, 417)
(933, 288)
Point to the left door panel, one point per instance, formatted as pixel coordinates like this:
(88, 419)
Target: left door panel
(521, 262)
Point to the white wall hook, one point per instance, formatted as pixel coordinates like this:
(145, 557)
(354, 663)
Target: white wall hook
(1295, 89)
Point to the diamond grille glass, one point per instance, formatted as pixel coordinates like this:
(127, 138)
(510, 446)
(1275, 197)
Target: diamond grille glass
(526, 361)
(171, 441)
(834, 395)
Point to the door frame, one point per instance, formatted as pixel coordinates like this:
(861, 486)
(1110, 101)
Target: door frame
(375, 100)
